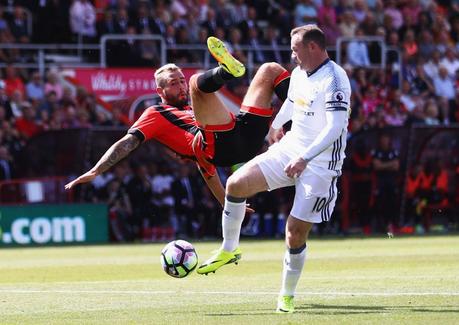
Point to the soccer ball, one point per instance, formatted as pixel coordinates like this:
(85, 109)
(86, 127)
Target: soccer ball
(179, 258)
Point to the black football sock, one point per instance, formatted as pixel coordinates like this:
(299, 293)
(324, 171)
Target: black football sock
(281, 85)
(212, 80)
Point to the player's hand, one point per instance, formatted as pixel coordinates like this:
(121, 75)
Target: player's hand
(85, 178)
(275, 135)
(248, 209)
(295, 167)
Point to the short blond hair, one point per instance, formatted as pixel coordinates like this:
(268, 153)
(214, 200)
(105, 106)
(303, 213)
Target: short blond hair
(159, 74)
(310, 32)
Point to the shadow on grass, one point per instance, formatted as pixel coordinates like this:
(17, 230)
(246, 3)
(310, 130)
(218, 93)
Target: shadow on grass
(358, 309)
(316, 309)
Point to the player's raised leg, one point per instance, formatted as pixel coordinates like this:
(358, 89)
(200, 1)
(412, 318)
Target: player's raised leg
(270, 78)
(296, 234)
(208, 108)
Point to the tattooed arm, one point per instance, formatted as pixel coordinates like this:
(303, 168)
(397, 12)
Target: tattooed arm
(114, 154)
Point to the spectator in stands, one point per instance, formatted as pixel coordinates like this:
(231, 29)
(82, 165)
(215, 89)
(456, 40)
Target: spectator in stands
(433, 191)
(450, 61)
(144, 22)
(348, 24)
(412, 191)
(35, 88)
(3, 23)
(26, 124)
(254, 42)
(327, 21)
(83, 21)
(53, 84)
(68, 98)
(360, 10)
(361, 165)
(19, 25)
(6, 166)
(432, 66)
(446, 92)
(272, 40)
(4, 101)
(122, 21)
(210, 23)
(370, 101)
(13, 81)
(17, 99)
(120, 210)
(412, 9)
(235, 44)
(421, 86)
(426, 44)
(305, 13)
(369, 24)
(240, 12)
(394, 14)
(48, 106)
(395, 114)
(161, 19)
(410, 46)
(186, 193)
(357, 51)
(431, 112)
(386, 165)
(107, 24)
(194, 30)
(209, 213)
(225, 13)
(140, 194)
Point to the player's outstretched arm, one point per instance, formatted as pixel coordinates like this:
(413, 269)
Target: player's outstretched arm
(114, 154)
(215, 186)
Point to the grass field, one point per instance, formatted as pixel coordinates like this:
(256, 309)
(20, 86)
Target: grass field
(349, 281)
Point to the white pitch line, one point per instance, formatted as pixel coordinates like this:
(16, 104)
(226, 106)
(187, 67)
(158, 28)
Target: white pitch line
(305, 293)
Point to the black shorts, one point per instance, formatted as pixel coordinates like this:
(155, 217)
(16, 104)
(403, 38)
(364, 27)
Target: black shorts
(243, 142)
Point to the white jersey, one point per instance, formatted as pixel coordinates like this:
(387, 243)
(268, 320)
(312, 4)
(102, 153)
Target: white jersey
(312, 95)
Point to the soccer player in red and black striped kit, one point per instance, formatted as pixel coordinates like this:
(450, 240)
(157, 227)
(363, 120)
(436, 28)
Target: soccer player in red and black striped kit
(206, 132)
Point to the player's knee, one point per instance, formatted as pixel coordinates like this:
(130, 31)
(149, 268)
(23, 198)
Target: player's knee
(194, 89)
(270, 69)
(294, 239)
(236, 186)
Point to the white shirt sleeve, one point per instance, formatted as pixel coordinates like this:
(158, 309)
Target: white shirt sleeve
(336, 122)
(284, 115)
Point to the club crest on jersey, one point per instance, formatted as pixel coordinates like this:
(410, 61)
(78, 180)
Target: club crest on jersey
(303, 102)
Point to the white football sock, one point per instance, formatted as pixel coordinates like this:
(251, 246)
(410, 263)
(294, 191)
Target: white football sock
(232, 217)
(293, 265)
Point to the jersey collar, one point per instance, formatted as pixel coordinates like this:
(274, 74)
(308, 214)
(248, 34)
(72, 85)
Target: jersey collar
(310, 73)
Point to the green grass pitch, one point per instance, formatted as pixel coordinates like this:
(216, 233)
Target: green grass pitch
(348, 281)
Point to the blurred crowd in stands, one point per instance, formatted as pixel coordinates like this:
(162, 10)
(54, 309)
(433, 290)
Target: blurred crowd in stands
(423, 36)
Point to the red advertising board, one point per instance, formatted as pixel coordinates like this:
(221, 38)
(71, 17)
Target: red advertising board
(120, 82)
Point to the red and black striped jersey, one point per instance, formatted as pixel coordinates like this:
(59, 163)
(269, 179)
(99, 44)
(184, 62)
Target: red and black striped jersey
(172, 126)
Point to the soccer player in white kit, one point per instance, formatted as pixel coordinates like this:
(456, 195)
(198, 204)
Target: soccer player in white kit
(309, 157)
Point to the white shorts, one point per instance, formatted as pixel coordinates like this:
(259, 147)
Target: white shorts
(315, 191)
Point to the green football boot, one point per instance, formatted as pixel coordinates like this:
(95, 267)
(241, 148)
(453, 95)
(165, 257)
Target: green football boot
(219, 51)
(285, 304)
(219, 259)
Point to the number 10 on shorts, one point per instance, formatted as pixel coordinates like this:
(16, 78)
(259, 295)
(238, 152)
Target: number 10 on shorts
(319, 205)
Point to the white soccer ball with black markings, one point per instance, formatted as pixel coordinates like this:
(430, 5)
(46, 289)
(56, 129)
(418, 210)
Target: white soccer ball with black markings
(179, 258)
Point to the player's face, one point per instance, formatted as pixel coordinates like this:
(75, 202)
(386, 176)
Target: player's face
(175, 92)
(300, 52)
